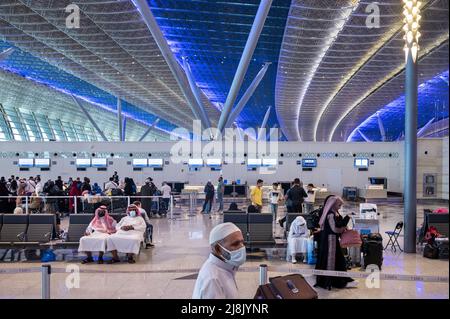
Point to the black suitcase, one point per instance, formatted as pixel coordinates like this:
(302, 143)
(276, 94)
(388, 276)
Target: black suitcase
(431, 251)
(443, 250)
(373, 250)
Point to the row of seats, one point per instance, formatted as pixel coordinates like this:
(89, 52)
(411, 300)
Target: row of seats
(34, 231)
(257, 228)
(26, 231)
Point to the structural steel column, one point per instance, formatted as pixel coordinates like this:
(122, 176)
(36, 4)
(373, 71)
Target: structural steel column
(246, 57)
(247, 95)
(90, 118)
(175, 68)
(411, 27)
(149, 130)
(410, 178)
(119, 119)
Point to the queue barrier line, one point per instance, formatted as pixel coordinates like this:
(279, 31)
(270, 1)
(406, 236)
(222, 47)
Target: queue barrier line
(351, 274)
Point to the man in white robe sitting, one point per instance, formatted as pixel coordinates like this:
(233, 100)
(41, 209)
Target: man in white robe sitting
(297, 240)
(99, 229)
(129, 235)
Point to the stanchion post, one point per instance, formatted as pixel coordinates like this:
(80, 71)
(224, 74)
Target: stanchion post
(46, 271)
(171, 206)
(262, 274)
(75, 205)
(128, 200)
(26, 205)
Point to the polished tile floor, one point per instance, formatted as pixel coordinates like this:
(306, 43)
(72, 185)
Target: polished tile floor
(169, 269)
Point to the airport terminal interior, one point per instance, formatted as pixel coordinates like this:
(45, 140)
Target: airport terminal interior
(154, 149)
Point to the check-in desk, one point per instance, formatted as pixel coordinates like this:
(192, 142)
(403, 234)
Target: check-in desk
(321, 194)
(371, 192)
(366, 223)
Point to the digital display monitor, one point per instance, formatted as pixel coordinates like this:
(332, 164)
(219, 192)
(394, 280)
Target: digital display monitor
(99, 162)
(214, 162)
(361, 162)
(269, 162)
(238, 182)
(140, 162)
(240, 190)
(42, 162)
(228, 190)
(26, 162)
(83, 162)
(254, 162)
(195, 162)
(177, 187)
(309, 162)
(155, 162)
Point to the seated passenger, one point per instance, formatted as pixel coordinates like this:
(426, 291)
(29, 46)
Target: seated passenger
(297, 240)
(100, 228)
(149, 231)
(129, 235)
(252, 209)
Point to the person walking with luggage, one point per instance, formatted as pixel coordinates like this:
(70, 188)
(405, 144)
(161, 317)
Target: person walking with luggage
(330, 256)
(217, 277)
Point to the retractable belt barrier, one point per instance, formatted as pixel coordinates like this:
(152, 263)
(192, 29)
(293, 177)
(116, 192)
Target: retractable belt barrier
(352, 274)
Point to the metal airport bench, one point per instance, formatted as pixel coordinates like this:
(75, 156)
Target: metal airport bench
(25, 232)
(77, 228)
(260, 229)
(240, 219)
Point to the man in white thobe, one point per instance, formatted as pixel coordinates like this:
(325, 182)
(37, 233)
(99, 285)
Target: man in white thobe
(297, 239)
(217, 277)
(129, 235)
(95, 238)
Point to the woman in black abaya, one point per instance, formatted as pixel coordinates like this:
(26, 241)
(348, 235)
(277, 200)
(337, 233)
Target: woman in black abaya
(330, 256)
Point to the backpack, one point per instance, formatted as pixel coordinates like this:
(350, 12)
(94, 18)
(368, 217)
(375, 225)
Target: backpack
(312, 220)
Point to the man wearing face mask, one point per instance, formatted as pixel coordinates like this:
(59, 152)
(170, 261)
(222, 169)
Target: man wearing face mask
(216, 279)
(129, 235)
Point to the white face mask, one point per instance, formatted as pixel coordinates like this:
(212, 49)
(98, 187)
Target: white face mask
(236, 257)
(132, 213)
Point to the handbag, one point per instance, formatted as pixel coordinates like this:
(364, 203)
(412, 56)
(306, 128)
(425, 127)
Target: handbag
(431, 251)
(350, 238)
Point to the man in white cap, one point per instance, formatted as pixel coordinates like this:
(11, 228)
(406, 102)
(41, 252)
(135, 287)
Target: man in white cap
(216, 279)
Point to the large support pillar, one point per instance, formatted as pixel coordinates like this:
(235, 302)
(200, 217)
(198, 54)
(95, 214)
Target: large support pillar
(247, 95)
(412, 16)
(364, 136)
(89, 117)
(119, 119)
(381, 127)
(5, 54)
(264, 123)
(206, 123)
(149, 130)
(246, 57)
(424, 128)
(175, 68)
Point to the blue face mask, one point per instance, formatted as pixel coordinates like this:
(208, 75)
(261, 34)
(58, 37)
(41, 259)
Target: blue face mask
(133, 213)
(236, 257)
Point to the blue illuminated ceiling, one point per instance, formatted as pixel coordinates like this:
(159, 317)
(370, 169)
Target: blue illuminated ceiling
(329, 72)
(37, 70)
(432, 104)
(212, 35)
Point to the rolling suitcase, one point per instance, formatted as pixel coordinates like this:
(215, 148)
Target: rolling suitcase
(373, 250)
(286, 287)
(355, 255)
